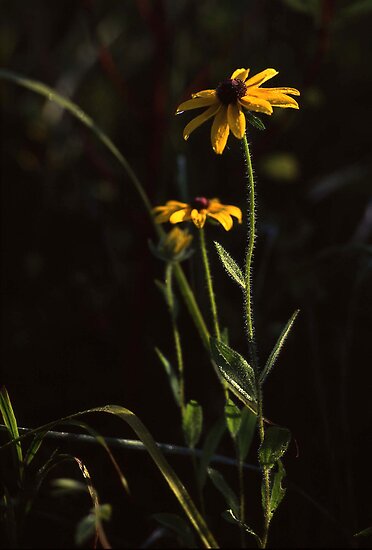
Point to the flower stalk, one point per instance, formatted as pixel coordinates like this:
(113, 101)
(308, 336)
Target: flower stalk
(208, 278)
(249, 319)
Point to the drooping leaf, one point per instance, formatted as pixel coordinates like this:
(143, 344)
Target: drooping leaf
(192, 423)
(179, 526)
(230, 265)
(10, 422)
(246, 432)
(278, 346)
(172, 376)
(229, 516)
(221, 484)
(233, 418)
(274, 445)
(236, 371)
(277, 490)
(210, 445)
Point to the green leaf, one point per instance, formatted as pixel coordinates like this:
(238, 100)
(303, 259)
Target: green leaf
(365, 533)
(274, 445)
(10, 422)
(230, 265)
(192, 423)
(255, 121)
(87, 527)
(179, 526)
(172, 376)
(225, 335)
(67, 486)
(236, 371)
(229, 516)
(221, 484)
(278, 346)
(277, 492)
(210, 445)
(246, 432)
(233, 418)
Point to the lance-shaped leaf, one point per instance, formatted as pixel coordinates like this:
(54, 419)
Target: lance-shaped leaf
(246, 432)
(233, 418)
(274, 445)
(192, 423)
(221, 484)
(172, 376)
(236, 371)
(278, 346)
(210, 445)
(230, 265)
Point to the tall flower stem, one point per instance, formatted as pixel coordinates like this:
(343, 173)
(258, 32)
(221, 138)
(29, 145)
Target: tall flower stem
(249, 319)
(176, 333)
(208, 277)
(249, 255)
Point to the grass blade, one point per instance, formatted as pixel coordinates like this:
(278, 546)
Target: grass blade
(167, 471)
(10, 421)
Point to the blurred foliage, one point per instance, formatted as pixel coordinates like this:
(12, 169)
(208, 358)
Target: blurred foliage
(81, 315)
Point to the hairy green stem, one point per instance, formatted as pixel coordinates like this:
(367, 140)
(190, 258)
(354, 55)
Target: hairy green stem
(249, 256)
(176, 333)
(249, 319)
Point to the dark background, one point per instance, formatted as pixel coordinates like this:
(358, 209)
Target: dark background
(80, 312)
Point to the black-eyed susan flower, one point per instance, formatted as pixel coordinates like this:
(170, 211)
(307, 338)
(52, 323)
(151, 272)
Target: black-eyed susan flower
(198, 211)
(226, 103)
(174, 246)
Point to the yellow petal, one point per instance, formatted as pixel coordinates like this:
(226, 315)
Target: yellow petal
(241, 74)
(276, 99)
(177, 204)
(180, 216)
(198, 217)
(224, 219)
(236, 120)
(283, 90)
(220, 131)
(256, 104)
(196, 103)
(233, 211)
(197, 121)
(205, 93)
(261, 77)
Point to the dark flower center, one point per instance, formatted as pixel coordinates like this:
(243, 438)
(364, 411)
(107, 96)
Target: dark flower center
(200, 203)
(229, 91)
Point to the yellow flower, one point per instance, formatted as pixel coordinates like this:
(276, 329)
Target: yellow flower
(226, 101)
(198, 211)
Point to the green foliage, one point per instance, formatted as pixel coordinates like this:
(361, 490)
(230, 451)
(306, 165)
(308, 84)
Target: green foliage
(277, 490)
(255, 121)
(88, 526)
(172, 376)
(230, 265)
(236, 371)
(221, 484)
(192, 423)
(211, 443)
(246, 432)
(278, 346)
(233, 418)
(274, 445)
(10, 422)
